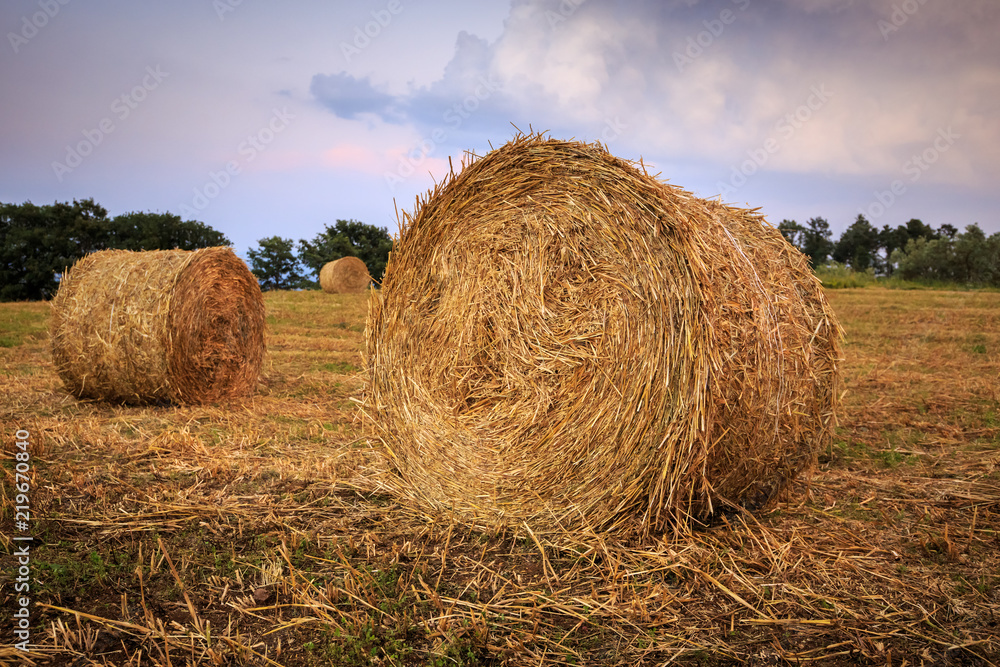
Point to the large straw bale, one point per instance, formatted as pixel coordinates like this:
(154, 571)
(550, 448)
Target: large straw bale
(562, 339)
(347, 275)
(164, 325)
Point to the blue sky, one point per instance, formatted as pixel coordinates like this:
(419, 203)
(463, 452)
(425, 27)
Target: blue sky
(263, 119)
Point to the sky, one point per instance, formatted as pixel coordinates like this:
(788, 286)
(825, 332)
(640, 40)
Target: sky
(263, 119)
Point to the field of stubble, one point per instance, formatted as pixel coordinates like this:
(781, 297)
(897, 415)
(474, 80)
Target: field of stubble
(255, 533)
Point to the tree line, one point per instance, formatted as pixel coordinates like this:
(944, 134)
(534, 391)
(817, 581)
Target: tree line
(281, 263)
(37, 243)
(914, 251)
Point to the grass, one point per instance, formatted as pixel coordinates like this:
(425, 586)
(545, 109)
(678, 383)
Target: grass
(839, 276)
(834, 275)
(256, 533)
(23, 322)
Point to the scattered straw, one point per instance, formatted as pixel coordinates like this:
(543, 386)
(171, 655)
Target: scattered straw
(891, 556)
(565, 340)
(174, 325)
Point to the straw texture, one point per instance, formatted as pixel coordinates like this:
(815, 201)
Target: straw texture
(562, 339)
(165, 325)
(347, 275)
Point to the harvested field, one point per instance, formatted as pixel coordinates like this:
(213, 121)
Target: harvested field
(257, 534)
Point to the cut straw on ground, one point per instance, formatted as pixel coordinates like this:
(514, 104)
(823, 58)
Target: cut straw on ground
(273, 513)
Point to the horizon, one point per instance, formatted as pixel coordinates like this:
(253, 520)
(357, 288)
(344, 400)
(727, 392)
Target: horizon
(260, 121)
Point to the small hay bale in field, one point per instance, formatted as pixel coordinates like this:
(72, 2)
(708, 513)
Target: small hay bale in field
(347, 275)
(138, 327)
(562, 339)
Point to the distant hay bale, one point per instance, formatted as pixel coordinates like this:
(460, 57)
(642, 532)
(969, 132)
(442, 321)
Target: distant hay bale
(562, 339)
(139, 327)
(347, 275)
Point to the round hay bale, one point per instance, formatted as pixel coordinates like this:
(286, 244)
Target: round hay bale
(347, 275)
(562, 339)
(139, 327)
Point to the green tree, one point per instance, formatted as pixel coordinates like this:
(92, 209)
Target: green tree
(275, 264)
(858, 246)
(162, 231)
(968, 258)
(897, 239)
(974, 256)
(38, 242)
(916, 228)
(926, 259)
(816, 243)
(793, 232)
(947, 230)
(348, 238)
(892, 240)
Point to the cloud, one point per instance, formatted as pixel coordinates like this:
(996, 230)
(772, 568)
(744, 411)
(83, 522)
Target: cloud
(488, 86)
(707, 82)
(466, 96)
(349, 97)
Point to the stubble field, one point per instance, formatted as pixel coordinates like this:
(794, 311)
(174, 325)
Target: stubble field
(257, 533)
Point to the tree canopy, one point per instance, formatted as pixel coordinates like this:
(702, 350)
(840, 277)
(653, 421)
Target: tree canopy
(348, 238)
(968, 257)
(812, 239)
(915, 250)
(38, 242)
(276, 265)
(858, 246)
